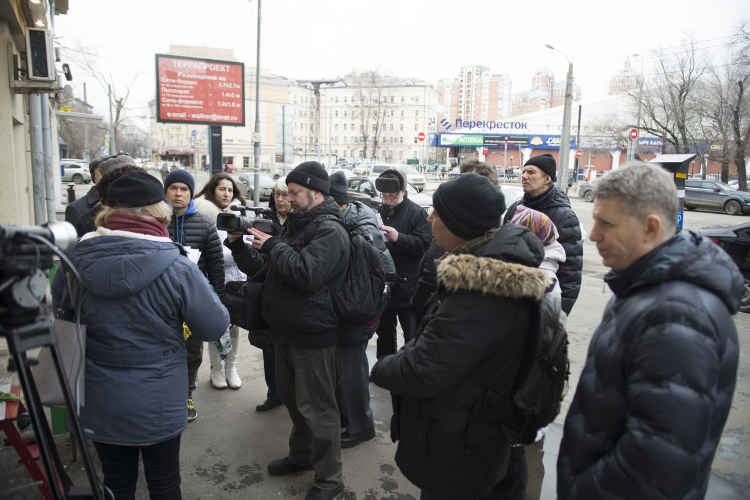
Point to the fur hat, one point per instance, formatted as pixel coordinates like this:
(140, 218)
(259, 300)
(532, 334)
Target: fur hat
(391, 181)
(311, 175)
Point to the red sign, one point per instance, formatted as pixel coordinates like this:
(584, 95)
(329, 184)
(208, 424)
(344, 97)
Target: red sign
(203, 91)
(579, 153)
(485, 152)
(634, 133)
(421, 136)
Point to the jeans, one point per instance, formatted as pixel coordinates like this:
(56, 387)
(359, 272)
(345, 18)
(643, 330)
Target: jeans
(387, 333)
(161, 465)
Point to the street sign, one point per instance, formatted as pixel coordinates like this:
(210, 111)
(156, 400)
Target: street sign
(579, 153)
(421, 136)
(634, 133)
(106, 142)
(486, 152)
(63, 108)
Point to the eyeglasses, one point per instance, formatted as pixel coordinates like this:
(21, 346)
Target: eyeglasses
(389, 196)
(280, 195)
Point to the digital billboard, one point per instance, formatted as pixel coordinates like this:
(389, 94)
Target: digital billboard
(199, 91)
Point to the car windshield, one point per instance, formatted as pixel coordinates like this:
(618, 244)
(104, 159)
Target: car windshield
(725, 187)
(378, 169)
(410, 190)
(408, 170)
(264, 178)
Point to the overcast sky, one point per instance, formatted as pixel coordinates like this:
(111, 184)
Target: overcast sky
(427, 39)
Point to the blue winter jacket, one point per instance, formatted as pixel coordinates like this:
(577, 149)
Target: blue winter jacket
(138, 291)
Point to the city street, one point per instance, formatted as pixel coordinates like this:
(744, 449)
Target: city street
(226, 450)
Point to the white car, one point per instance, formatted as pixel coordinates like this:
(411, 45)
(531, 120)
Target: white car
(75, 170)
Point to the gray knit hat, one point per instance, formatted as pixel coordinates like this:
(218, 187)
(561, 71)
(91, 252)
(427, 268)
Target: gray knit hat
(116, 163)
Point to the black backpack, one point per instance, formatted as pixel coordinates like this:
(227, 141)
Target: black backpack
(542, 379)
(364, 293)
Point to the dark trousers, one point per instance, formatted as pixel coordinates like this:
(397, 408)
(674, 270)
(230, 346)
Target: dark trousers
(387, 334)
(269, 370)
(306, 381)
(513, 485)
(161, 465)
(426, 495)
(194, 348)
(353, 390)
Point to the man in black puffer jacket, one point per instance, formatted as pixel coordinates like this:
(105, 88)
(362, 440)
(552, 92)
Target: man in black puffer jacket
(309, 259)
(661, 368)
(540, 194)
(468, 347)
(408, 235)
(192, 229)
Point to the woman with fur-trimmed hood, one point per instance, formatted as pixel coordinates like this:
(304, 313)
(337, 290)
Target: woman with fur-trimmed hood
(472, 338)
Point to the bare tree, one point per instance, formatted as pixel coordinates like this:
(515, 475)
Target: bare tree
(740, 101)
(86, 59)
(374, 102)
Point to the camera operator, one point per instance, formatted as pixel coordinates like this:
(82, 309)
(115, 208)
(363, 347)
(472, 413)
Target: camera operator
(304, 263)
(138, 289)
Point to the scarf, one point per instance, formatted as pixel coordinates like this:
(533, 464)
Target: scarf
(130, 222)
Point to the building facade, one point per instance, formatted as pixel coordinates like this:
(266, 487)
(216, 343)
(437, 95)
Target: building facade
(475, 94)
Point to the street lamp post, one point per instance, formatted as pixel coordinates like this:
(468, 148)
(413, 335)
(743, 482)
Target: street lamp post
(634, 149)
(256, 135)
(562, 178)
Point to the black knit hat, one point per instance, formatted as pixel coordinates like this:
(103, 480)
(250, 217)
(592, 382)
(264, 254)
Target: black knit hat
(135, 188)
(311, 175)
(338, 188)
(546, 163)
(391, 181)
(455, 204)
(180, 175)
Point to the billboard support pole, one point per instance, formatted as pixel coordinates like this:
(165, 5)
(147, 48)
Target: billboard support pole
(256, 135)
(215, 146)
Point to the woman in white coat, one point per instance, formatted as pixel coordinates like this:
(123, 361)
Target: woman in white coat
(215, 198)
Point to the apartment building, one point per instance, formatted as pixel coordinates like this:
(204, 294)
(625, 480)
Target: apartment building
(475, 94)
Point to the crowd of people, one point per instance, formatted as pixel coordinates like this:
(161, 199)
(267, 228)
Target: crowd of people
(649, 408)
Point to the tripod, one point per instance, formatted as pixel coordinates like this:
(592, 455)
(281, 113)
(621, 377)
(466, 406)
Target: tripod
(21, 339)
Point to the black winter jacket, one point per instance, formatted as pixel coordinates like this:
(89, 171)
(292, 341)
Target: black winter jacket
(657, 386)
(83, 210)
(414, 236)
(199, 232)
(296, 302)
(472, 338)
(554, 203)
(427, 283)
(361, 219)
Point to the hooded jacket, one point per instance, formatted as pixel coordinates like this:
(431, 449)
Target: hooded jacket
(138, 291)
(472, 338)
(660, 372)
(301, 269)
(414, 236)
(195, 230)
(554, 203)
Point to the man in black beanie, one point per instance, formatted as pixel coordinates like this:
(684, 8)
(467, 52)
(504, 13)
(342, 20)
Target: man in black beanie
(469, 343)
(541, 194)
(408, 236)
(303, 264)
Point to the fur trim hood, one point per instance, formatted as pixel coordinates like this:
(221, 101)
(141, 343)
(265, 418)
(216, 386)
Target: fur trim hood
(503, 263)
(207, 208)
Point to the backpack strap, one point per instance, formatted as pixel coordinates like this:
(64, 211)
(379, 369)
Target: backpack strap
(309, 234)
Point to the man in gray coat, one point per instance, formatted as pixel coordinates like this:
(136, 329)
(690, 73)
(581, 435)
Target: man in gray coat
(351, 352)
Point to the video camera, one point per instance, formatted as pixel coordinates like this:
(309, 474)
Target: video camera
(234, 224)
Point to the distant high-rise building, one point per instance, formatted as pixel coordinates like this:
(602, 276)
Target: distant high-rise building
(544, 93)
(624, 81)
(543, 79)
(476, 94)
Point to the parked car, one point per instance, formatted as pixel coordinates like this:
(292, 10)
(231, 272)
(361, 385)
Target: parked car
(347, 173)
(734, 184)
(715, 195)
(735, 240)
(415, 178)
(363, 189)
(229, 168)
(586, 191)
(246, 182)
(75, 171)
